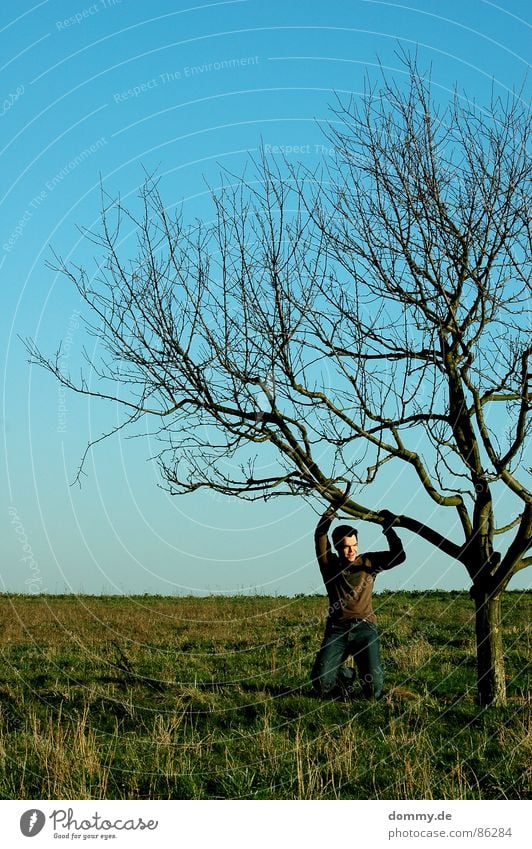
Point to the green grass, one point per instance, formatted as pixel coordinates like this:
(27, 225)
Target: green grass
(189, 698)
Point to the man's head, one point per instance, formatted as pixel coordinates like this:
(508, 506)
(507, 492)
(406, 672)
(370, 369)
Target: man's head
(345, 541)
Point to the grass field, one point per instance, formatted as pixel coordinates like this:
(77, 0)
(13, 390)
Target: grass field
(207, 698)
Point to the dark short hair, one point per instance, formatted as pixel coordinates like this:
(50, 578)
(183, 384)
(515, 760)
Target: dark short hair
(343, 531)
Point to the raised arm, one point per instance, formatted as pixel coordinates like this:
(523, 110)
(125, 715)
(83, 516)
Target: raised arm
(388, 559)
(321, 538)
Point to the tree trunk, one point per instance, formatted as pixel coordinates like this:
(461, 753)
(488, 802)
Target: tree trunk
(490, 657)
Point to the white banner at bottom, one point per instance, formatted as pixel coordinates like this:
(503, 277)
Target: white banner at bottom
(261, 824)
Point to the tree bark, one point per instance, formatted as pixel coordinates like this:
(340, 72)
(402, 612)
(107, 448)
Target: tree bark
(490, 656)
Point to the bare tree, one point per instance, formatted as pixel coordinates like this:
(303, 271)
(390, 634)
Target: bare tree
(326, 324)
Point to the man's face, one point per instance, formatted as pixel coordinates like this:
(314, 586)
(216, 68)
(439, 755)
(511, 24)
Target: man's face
(348, 549)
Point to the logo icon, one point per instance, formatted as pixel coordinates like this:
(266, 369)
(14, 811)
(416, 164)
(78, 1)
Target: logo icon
(32, 822)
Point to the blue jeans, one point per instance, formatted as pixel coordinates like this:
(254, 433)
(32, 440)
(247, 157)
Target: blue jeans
(342, 639)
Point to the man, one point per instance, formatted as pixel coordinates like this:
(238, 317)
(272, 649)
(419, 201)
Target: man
(351, 623)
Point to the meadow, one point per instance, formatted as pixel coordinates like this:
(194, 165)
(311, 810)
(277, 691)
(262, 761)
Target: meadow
(152, 697)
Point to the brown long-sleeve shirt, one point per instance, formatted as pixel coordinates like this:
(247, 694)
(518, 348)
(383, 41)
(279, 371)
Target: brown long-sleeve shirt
(350, 585)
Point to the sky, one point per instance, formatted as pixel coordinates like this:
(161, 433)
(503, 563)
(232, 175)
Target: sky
(97, 94)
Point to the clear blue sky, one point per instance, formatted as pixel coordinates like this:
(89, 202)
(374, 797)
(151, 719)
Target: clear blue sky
(107, 89)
